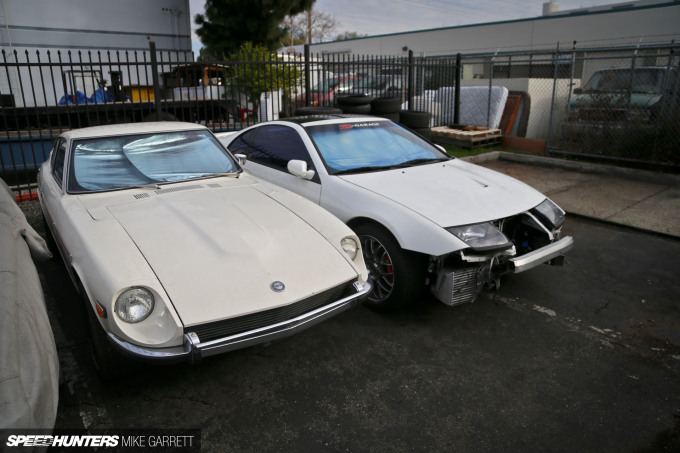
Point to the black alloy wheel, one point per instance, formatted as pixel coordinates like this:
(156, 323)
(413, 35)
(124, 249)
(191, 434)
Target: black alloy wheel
(398, 275)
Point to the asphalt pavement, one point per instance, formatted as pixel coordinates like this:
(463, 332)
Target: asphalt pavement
(645, 200)
(584, 357)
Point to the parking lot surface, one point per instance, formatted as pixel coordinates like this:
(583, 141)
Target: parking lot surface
(580, 358)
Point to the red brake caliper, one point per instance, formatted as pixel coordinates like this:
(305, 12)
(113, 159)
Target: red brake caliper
(389, 268)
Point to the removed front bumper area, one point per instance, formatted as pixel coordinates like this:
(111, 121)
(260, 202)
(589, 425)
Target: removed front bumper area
(203, 344)
(458, 284)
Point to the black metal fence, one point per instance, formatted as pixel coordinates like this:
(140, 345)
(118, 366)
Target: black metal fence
(556, 96)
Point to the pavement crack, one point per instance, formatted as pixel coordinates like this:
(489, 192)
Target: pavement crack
(182, 398)
(604, 307)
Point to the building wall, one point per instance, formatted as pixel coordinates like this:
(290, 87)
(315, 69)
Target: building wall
(647, 24)
(95, 24)
(88, 37)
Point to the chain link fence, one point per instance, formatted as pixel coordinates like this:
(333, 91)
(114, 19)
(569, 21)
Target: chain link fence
(624, 106)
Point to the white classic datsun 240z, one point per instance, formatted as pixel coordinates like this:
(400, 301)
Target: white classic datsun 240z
(179, 255)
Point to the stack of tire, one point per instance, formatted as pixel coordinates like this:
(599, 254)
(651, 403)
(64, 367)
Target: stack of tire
(358, 104)
(304, 111)
(386, 108)
(418, 121)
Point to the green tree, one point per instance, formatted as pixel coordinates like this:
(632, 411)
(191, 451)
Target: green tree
(228, 23)
(349, 35)
(260, 70)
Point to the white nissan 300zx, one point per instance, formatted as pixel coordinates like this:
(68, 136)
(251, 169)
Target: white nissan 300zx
(180, 255)
(422, 216)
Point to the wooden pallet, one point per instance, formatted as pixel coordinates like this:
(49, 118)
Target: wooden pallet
(470, 137)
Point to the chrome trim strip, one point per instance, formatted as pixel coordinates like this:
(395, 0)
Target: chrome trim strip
(193, 350)
(540, 256)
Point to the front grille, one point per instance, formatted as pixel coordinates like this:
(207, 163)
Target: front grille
(602, 115)
(232, 326)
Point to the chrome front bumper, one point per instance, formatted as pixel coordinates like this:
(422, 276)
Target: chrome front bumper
(193, 349)
(540, 256)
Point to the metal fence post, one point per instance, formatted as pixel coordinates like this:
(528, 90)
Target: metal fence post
(488, 104)
(456, 103)
(556, 63)
(307, 76)
(571, 77)
(410, 80)
(154, 76)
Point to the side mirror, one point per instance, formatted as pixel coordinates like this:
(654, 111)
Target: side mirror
(241, 158)
(299, 168)
(578, 90)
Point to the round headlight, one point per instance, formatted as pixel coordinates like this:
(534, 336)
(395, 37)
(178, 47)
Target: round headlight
(350, 246)
(134, 305)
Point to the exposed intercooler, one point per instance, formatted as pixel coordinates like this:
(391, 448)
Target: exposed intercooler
(459, 286)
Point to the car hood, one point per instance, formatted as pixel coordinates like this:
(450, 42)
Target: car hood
(216, 251)
(451, 193)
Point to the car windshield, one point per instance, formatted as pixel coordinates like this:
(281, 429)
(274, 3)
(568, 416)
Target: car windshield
(641, 81)
(371, 146)
(325, 86)
(373, 82)
(111, 163)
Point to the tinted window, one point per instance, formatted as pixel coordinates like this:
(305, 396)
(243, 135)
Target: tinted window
(275, 145)
(243, 144)
(58, 160)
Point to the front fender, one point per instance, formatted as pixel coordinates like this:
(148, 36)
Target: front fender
(413, 231)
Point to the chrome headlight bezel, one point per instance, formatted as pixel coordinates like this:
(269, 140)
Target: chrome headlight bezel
(350, 246)
(551, 215)
(134, 305)
(481, 237)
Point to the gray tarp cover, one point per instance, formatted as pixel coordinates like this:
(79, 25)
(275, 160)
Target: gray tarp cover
(29, 366)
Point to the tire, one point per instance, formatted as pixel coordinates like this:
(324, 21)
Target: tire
(109, 363)
(414, 118)
(390, 116)
(398, 275)
(424, 132)
(385, 105)
(356, 109)
(302, 111)
(358, 99)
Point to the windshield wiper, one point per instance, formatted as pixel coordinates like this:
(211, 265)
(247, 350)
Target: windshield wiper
(362, 170)
(414, 162)
(152, 185)
(409, 163)
(218, 174)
